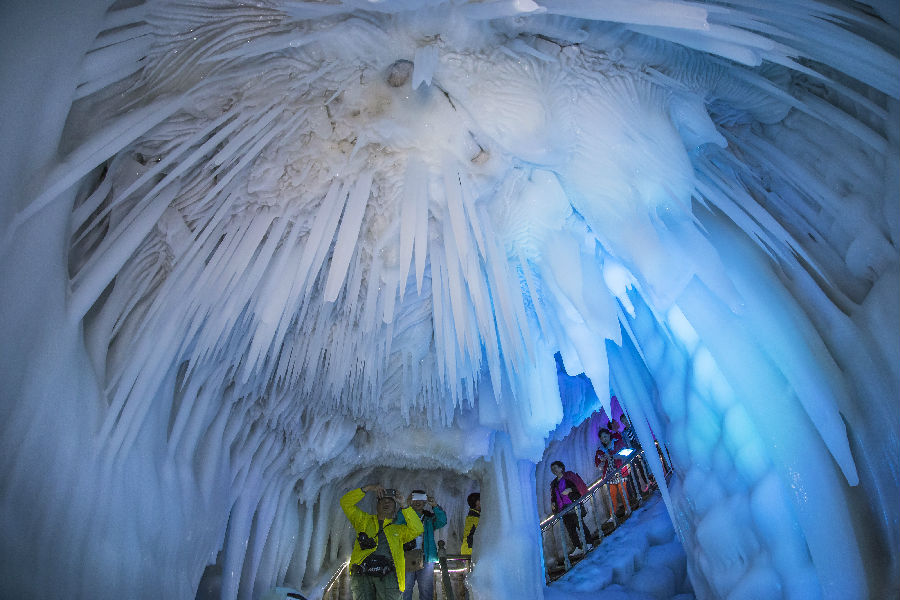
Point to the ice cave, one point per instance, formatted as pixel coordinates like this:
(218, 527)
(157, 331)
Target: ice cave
(256, 254)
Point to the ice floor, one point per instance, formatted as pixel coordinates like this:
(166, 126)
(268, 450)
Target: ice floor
(641, 560)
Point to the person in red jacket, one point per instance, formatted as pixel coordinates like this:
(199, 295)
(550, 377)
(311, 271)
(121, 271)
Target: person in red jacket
(612, 470)
(567, 488)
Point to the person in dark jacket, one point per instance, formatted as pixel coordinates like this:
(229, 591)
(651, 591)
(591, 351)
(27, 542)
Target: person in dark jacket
(567, 488)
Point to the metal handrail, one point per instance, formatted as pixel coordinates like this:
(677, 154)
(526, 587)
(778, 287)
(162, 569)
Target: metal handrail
(335, 576)
(552, 519)
(613, 477)
(464, 558)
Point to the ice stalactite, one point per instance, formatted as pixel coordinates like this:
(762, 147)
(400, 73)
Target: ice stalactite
(248, 244)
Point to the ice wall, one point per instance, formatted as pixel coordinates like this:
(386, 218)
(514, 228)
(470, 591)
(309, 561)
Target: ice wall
(248, 258)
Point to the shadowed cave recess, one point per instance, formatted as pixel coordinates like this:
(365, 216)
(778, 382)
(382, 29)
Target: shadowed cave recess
(255, 254)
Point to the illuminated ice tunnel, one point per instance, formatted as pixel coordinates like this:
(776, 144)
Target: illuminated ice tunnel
(254, 254)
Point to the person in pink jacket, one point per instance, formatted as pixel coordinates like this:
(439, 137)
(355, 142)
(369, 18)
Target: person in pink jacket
(566, 489)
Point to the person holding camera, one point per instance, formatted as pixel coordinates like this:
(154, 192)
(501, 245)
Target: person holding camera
(421, 553)
(377, 563)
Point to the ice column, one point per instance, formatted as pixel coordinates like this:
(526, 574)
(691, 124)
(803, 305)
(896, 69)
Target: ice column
(507, 555)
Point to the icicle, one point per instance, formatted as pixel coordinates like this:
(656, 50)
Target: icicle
(258, 282)
(351, 296)
(137, 217)
(272, 300)
(271, 42)
(193, 419)
(124, 17)
(536, 300)
(107, 78)
(163, 167)
(94, 151)
(348, 235)
(236, 283)
(90, 204)
(438, 311)
(93, 278)
(413, 190)
(421, 241)
(801, 178)
(749, 216)
(389, 297)
(485, 313)
(246, 158)
(460, 226)
(472, 214)
(703, 41)
(829, 113)
(123, 48)
(373, 282)
(507, 303)
(321, 235)
(638, 12)
(455, 282)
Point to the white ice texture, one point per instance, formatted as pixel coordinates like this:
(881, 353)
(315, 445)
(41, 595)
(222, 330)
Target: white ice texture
(253, 255)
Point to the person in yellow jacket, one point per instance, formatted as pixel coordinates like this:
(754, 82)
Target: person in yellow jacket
(377, 563)
(474, 502)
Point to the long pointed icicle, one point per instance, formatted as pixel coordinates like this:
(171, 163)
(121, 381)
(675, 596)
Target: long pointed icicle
(348, 235)
(421, 241)
(94, 280)
(408, 218)
(162, 167)
(101, 146)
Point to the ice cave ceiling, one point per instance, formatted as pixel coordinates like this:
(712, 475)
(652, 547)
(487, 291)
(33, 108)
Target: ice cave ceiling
(253, 253)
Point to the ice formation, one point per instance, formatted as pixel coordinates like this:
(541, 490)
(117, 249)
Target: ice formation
(253, 254)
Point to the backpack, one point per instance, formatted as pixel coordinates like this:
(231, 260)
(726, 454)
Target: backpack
(578, 481)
